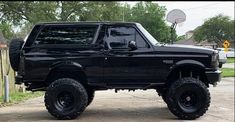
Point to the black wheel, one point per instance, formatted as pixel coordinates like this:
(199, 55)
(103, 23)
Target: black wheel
(220, 65)
(66, 98)
(188, 98)
(164, 97)
(91, 95)
(163, 93)
(14, 53)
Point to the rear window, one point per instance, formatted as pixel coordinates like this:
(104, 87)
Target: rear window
(66, 35)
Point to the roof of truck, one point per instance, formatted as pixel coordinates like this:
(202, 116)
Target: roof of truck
(87, 22)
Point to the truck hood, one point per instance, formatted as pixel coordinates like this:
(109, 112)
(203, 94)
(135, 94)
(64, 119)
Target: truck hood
(185, 49)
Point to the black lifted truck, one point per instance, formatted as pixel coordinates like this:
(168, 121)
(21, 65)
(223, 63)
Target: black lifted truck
(70, 61)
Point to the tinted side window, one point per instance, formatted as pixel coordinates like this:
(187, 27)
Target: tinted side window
(66, 35)
(32, 35)
(140, 42)
(119, 37)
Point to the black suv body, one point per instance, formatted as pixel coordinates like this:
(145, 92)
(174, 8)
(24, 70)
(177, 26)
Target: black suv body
(111, 55)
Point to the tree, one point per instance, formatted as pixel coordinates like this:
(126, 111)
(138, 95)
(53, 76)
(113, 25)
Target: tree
(6, 30)
(101, 11)
(216, 29)
(25, 14)
(180, 38)
(151, 16)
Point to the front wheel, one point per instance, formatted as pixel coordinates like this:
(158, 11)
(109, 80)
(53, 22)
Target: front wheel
(66, 98)
(164, 98)
(220, 65)
(188, 98)
(91, 95)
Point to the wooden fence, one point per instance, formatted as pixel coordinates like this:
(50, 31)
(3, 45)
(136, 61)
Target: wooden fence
(4, 69)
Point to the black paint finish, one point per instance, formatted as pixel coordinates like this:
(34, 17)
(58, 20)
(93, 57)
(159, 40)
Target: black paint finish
(112, 68)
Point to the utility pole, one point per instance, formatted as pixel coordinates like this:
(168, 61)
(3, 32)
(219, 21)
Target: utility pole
(6, 79)
(6, 89)
(5, 76)
(173, 26)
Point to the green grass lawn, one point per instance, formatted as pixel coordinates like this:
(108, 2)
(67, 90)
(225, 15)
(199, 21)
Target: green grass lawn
(228, 72)
(230, 60)
(19, 97)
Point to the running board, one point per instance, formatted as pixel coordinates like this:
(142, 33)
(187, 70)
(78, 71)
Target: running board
(126, 86)
(135, 86)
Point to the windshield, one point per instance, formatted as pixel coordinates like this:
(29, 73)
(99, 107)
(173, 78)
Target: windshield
(148, 35)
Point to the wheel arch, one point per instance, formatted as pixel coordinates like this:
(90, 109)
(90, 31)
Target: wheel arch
(67, 69)
(188, 62)
(188, 65)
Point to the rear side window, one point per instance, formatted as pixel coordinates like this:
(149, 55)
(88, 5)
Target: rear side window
(66, 35)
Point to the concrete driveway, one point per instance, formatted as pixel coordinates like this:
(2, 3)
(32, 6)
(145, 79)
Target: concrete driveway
(228, 65)
(124, 106)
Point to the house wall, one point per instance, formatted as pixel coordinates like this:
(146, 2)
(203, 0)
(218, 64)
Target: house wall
(188, 35)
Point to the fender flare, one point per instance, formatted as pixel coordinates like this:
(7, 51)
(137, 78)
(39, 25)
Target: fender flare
(183, 63)
(65, 66)
(74, 65)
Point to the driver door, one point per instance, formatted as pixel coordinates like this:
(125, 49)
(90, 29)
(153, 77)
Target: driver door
(123, 65)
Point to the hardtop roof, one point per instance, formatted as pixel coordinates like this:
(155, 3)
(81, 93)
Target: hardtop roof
(85, 22)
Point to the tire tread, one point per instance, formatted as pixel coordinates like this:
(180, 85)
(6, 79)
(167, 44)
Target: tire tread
(65, 81)
(173, 108)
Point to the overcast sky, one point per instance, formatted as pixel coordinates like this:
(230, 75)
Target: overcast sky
(197, 12)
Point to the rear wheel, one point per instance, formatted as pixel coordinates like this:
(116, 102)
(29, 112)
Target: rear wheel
(66, 98)
(188, 98)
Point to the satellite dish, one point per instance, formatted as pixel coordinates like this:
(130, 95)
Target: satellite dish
(176, 16)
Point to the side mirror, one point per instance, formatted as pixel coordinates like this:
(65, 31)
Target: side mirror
(132, 45)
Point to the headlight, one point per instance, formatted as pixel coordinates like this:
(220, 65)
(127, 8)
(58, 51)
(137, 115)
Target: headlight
(215, 60)
(214, 57)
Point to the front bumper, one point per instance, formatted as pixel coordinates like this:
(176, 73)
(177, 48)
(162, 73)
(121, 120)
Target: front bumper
(214, 76)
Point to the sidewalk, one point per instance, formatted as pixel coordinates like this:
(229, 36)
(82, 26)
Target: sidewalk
(228, 65)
